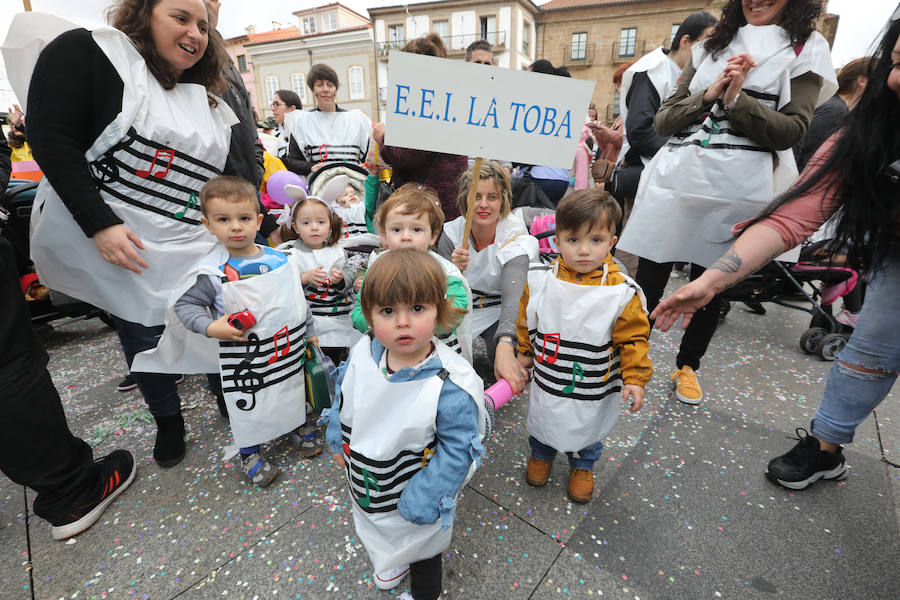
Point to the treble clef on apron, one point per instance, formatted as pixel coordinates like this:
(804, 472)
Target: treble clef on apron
(711, 176)
(485, 266)
(378, 467)
(576, 394)
(263, 379)
(330, 307)
(149, 165)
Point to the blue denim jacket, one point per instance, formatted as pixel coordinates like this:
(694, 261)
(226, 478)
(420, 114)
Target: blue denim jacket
(430, 493)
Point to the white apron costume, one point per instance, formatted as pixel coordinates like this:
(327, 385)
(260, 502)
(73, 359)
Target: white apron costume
(663, 73)
(483, 273)
(708, 178)
(330, 136)
(149, 165)
(330, 308)
(378, 466)
(355, 224)
(576, 394)
(460, 339)
(262, 379)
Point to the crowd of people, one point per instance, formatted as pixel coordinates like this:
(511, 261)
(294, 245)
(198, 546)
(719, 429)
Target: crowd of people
(151, 209)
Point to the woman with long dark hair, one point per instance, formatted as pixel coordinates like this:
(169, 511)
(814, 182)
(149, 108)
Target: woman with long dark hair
(745, 97)
(855, 176)
(117, 219)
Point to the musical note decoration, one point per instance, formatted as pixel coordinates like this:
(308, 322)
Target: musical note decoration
(164, 154)
(191, 203)
(426, 455)
(577, 373)
(368, 478)
(543, 355)
(248, 381)
(323, 295)
(276, 354)
(713, 129)
(323, 150)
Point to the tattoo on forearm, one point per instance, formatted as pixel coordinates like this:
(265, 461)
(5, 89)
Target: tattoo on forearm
(729, 263)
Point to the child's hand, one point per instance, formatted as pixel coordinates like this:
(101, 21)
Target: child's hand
(358, 283)
(317, 276)
(338, 458)
(336, 275)
(460, 258)
(313, 340)
(636, 394)
(220, 329)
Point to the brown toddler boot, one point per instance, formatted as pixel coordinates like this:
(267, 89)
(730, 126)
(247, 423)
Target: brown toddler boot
(581, 485)
(538, 471)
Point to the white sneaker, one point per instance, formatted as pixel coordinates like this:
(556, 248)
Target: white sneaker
(391, 578)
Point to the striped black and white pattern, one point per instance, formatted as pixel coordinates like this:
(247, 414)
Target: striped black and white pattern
(725, 138)
(335, 302)
(600, 363)
(116, 175)
(334, 153)
(245, 365)
(484, 299)
(391, 475)
(451, 341)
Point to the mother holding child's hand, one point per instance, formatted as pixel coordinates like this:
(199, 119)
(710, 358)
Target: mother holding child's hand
(116, 221)
(495, 263)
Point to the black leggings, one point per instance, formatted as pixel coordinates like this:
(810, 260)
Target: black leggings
(652, 277)
(426, 578)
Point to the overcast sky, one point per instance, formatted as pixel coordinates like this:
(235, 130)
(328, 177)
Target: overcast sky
(860, 24)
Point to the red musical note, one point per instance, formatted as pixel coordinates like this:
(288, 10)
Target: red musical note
(323, 150)
(165, 154)
(543, 357)
(283, 332)
(346, 448)
(323, 295)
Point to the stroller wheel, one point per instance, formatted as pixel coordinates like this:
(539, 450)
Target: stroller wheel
(809, 341)
(724, 309)
(831, 345)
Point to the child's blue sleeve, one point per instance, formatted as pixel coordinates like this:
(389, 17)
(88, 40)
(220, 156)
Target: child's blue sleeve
(332, 416)
(431, 494)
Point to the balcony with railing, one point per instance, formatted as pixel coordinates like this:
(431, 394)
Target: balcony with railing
(456, 44)
(625, 52)
(579, 55)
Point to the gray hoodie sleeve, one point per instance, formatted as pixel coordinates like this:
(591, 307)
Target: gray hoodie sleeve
(196, 307)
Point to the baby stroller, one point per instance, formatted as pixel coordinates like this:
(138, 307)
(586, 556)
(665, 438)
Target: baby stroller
(46, 306)
(783, 284)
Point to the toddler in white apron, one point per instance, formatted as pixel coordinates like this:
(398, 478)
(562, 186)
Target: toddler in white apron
(412, 218)
(241, 312)
(589, 357)
(407, 422)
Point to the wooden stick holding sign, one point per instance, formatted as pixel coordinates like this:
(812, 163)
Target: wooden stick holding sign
(470, 202)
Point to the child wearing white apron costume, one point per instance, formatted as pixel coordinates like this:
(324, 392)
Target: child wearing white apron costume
(407, 422)
(260, 358)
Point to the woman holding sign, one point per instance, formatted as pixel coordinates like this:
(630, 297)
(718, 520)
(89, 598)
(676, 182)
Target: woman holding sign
(745, 97)
(117, 220)
(494, 258)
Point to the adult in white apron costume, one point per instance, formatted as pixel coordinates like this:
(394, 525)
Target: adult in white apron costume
(645, 85)
(853, 178)
(328, 133)
(495, 265)
(116, 222)
(743, 100)
(380, 468)
(285, 102)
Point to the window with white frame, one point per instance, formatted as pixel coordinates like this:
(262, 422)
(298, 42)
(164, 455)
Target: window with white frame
(309, 24)
(442, 28)
(396, 34)
(242, 63)
(329, 21)
(526, 36)
(579, 46)
(672, 34)
(627, 42)
(298, 85)
(357, 88)
(271, 88)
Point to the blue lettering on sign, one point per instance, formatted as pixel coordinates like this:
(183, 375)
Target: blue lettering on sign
(399, 98)
(491, 113)
(537, 118)
(426, 104)
(549, 117)
(471, 110)
(565, 123)
(447, 107)
(518, 105)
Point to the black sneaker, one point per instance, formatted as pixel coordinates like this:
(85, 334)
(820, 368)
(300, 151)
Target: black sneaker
(805, 464)
(127, 384)
(117, 476)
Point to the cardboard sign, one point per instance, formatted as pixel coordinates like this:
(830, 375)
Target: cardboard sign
(475, 110)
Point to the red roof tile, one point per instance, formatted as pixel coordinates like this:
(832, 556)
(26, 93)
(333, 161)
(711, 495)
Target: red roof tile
(564, 4)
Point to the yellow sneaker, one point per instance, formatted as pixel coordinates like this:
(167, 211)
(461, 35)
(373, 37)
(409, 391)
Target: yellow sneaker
(685, 386)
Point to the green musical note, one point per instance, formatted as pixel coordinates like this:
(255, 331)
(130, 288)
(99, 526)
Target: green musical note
(191, 203)
(367, 479)
(577, 372)
(713, 129)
